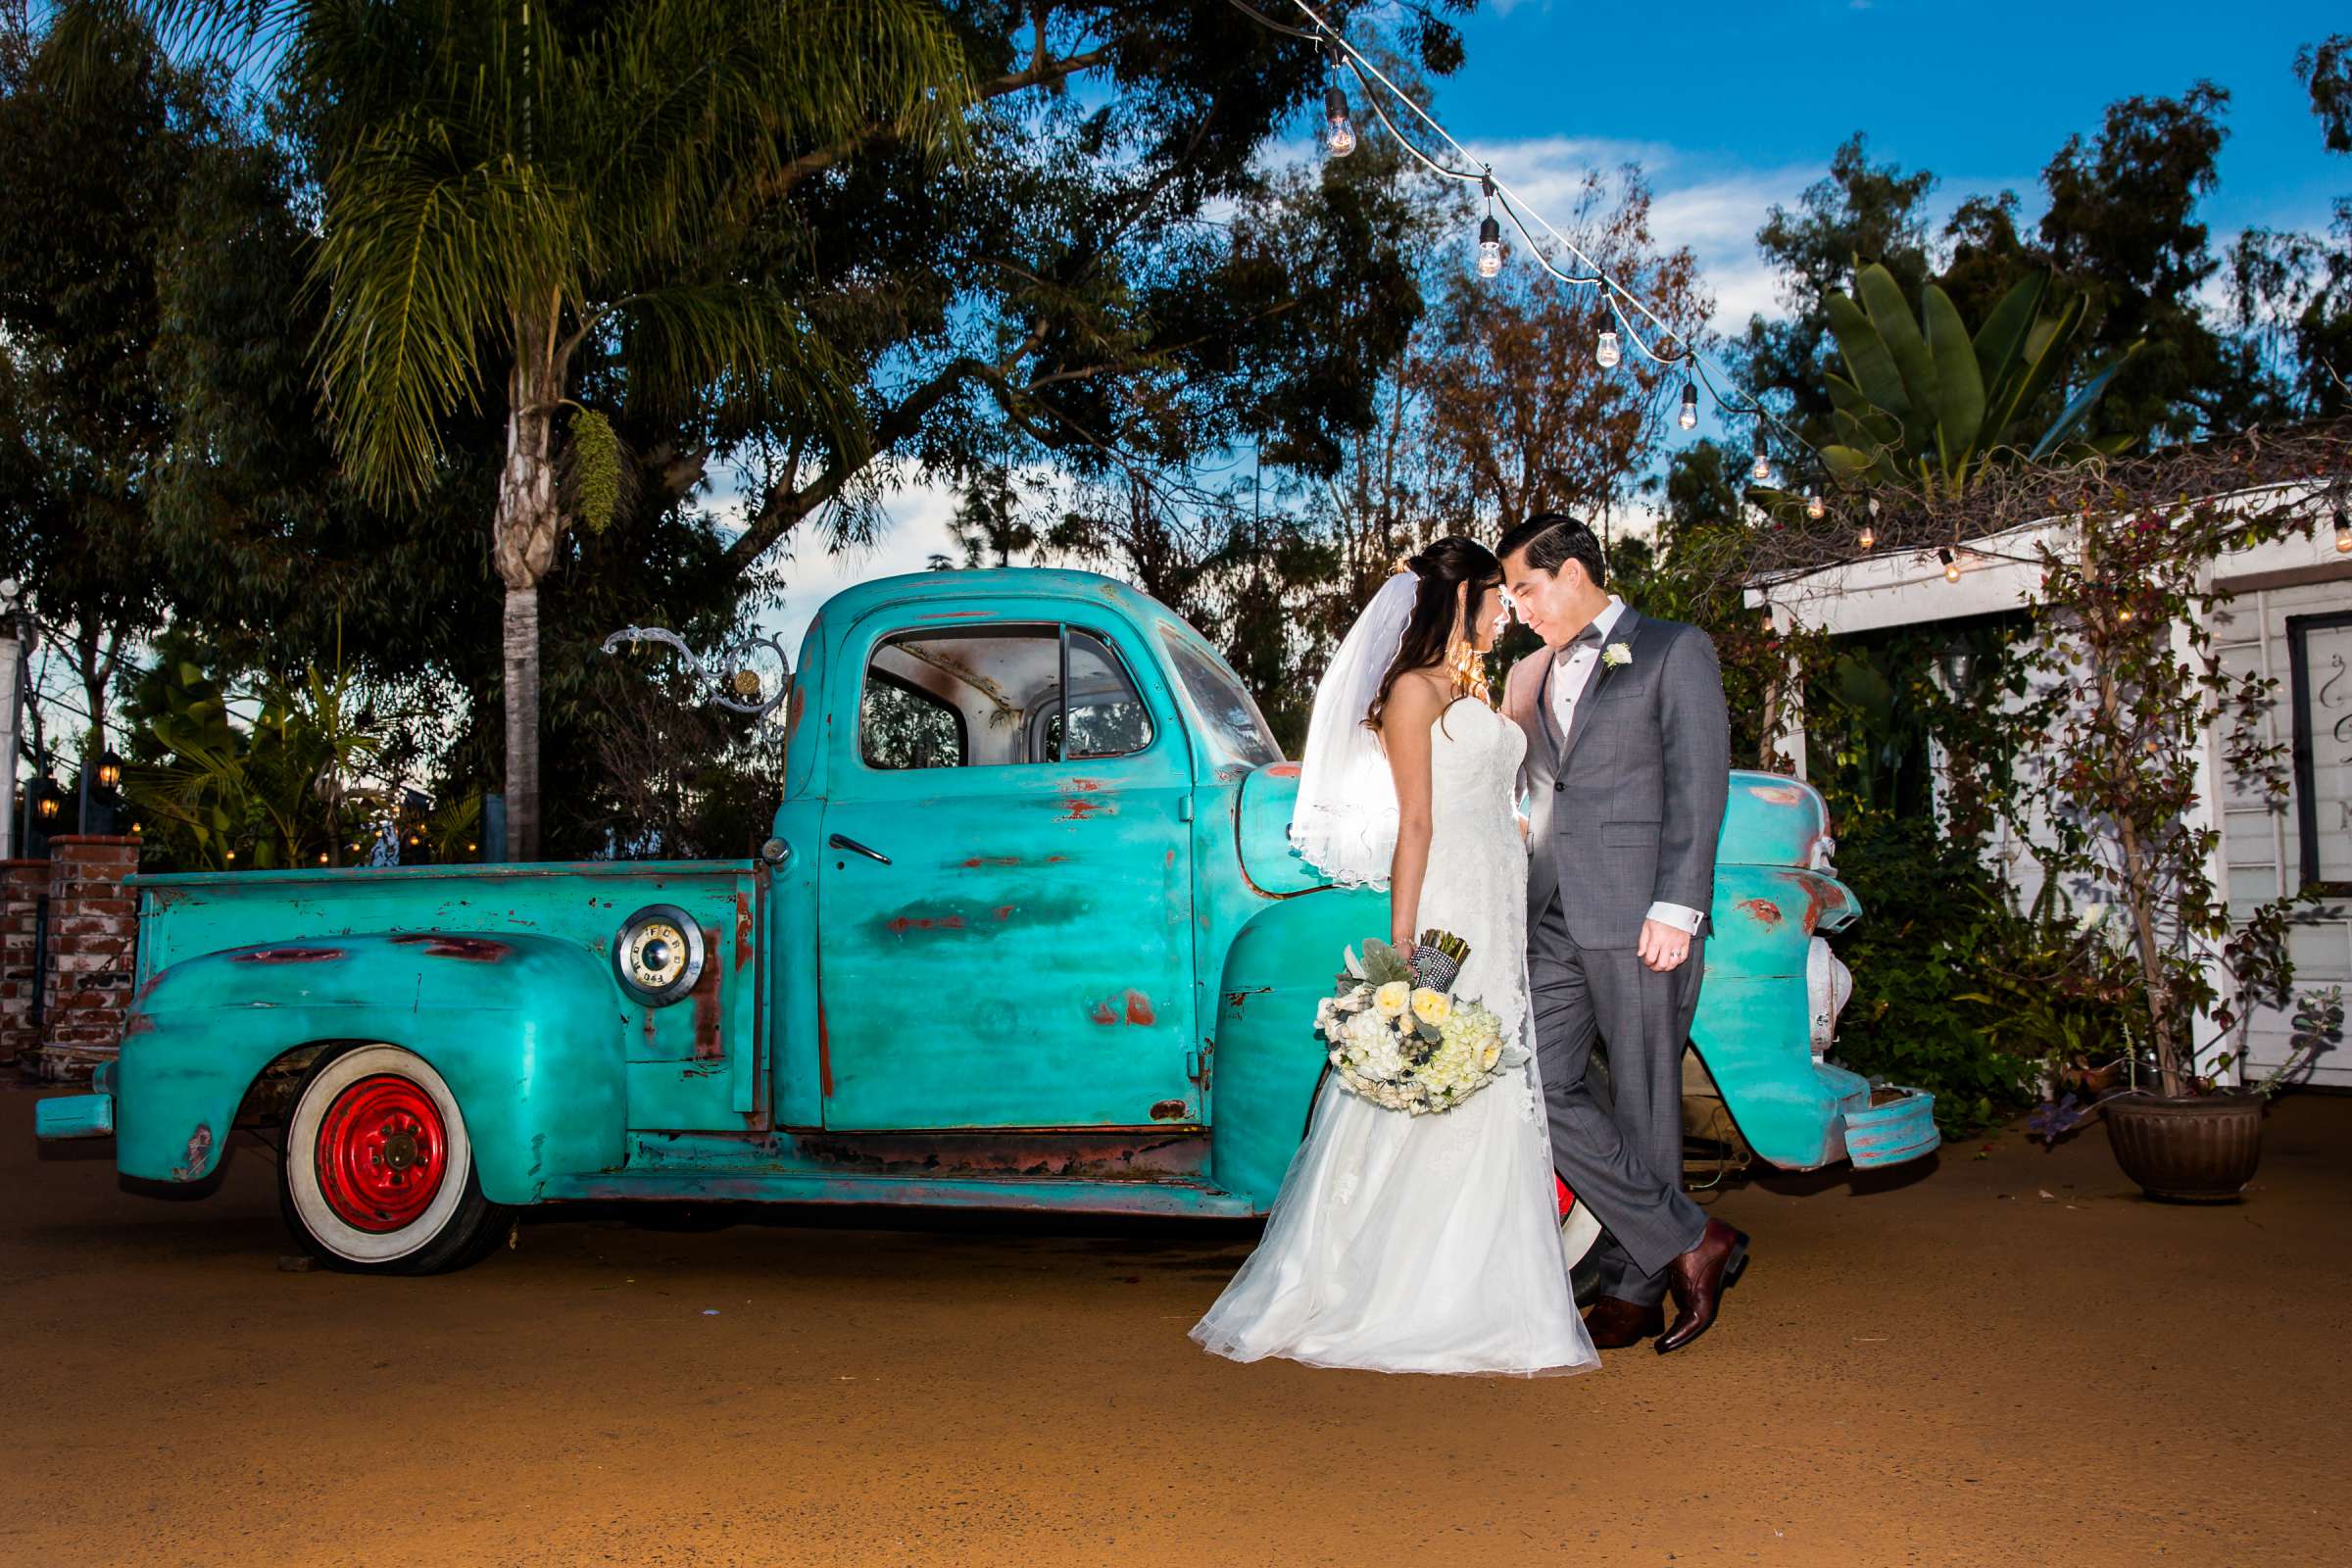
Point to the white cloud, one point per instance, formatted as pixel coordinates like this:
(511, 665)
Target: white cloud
(1713, 210)
(915, 528)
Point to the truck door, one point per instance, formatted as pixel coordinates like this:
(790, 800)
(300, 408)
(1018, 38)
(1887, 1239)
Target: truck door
(1004, 883)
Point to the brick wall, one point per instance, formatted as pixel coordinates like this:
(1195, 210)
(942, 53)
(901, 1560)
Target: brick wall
(93, 933)
(23, 885)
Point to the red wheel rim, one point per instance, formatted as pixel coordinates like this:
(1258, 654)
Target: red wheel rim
(382, 1154)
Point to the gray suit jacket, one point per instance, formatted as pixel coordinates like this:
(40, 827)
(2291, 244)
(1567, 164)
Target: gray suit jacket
(1627, 813)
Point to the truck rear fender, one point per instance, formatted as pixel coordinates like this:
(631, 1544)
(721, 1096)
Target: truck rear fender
(1269, 1058)
(526, 1031)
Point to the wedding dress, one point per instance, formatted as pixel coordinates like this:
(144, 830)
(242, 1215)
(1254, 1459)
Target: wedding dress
(1428, 1244)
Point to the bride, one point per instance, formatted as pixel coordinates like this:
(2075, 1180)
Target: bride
(1399, 1242)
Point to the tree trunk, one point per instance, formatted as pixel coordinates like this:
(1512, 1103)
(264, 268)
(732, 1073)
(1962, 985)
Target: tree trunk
(523, 723)
(523, 546)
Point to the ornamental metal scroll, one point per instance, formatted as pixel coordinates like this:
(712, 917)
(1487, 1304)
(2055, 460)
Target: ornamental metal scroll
(743, 683)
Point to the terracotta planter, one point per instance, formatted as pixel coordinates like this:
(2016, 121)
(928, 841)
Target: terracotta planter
(2199, 1150)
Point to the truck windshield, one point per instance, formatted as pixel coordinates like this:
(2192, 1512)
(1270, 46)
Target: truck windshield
(1229, 717)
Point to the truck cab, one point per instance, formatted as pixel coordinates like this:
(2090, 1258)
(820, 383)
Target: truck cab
(1028, 932)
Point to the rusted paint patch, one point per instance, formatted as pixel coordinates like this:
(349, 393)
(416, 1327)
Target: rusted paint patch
(1168, 1110)
(1282, 770)
(1146, 1153)
(472, 950)
(1776, 794)
(900, 925)
(1077, 808)
(1087, 784)
(200, 1149)
(709, 1043)
(979, 861)
(1004, 911)
(960, 614)
(139, 1023)
(1128, 1007)
(744, 952)
(1763, 912)
(824, 1053)
(1819, 893)
(1237, 1000)
(289, 955)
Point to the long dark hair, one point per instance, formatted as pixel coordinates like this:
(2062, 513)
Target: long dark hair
(1456, 573)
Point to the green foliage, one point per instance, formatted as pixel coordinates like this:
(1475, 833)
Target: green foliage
(2128, 697)
(1935, 940)
(1926, 403)
(595, 470)
(283, 788)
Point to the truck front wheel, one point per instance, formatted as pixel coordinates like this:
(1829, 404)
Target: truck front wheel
(378, 1172)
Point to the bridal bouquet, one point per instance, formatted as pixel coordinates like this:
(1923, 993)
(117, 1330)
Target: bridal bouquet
(1401, 1039)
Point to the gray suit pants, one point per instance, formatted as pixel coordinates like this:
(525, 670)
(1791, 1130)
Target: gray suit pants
(1622, 1152)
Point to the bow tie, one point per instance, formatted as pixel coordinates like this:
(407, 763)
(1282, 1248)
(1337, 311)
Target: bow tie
(1590, 637)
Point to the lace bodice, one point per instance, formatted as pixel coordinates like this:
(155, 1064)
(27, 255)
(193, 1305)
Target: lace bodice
(1476, 886)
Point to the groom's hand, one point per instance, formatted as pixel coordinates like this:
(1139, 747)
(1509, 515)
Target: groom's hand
(1662, 948)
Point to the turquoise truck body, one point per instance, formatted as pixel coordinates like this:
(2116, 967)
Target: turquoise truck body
(1081, 984)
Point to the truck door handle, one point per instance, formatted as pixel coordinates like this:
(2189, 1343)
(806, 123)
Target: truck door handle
(841, 841)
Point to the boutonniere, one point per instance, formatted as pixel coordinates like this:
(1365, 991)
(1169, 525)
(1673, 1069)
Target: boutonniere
(1616, 656)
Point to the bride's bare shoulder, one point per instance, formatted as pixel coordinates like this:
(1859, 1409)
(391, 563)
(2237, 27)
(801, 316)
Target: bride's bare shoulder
(1419, 697)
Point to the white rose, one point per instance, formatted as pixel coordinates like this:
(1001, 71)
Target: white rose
(1394, 998)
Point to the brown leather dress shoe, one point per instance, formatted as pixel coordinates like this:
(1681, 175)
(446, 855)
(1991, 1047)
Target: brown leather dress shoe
(1699, 1278)
(1616, 1323)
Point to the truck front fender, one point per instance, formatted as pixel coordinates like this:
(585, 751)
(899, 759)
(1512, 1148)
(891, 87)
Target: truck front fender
(1268, 1058)
(526, 1030)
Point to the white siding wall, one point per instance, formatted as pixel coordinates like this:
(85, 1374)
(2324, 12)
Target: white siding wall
(2262, 846)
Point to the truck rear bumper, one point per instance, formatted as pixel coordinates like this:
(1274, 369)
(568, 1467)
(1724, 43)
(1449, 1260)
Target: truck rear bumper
(1900, 1125)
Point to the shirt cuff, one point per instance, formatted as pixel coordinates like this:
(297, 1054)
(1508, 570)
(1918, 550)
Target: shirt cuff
(1679, 916)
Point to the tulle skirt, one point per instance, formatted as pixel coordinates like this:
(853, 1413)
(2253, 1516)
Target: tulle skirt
(1412, 1244)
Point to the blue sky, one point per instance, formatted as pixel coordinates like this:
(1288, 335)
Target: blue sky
(1730, 108)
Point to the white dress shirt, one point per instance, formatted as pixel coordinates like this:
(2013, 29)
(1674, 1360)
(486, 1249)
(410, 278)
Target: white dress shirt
(1571, 670)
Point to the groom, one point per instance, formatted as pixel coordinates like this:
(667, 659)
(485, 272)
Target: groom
(1628, 766)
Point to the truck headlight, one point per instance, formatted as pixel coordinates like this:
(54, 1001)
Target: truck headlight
(1828, 985)
(659, 953)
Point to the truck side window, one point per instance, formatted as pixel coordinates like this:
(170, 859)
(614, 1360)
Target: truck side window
(900, 727)
(989, 696)
(1106, 718)
(1229, 716)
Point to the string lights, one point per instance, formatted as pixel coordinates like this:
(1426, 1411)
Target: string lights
(2343, 532)
(1619, 331)
(1489, 237)
(1339, 133)
(1951, 563)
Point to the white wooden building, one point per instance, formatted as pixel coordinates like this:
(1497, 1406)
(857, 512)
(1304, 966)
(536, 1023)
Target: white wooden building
(2290, 616)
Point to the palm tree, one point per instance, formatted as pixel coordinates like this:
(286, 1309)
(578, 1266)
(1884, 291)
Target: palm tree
(508, 182)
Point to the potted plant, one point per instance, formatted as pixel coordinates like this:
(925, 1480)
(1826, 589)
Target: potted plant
(2125, 691)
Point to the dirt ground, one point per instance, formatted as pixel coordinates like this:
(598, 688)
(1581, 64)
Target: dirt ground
(2005, 1360)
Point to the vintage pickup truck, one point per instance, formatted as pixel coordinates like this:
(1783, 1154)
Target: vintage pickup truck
(1028, 933)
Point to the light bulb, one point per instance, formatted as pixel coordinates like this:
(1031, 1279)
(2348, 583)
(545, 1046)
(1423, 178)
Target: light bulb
(1605, 351)
(1489, 246)
(1339, 136)
(1866, 538)
(1761, 470)
(1951, 564)
(1814, 507)
(2343, 532)
(1688, 418)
